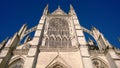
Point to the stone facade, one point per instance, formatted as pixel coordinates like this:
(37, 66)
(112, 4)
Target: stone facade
(58, 42)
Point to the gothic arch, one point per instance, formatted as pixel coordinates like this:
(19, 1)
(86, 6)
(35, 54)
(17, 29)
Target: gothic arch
(16, 62)
(64, 36)
(52, 36)
(57, 65)
(17, 57)
(99, 63)
(58, 36)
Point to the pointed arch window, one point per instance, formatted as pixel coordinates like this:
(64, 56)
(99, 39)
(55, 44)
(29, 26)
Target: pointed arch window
(17, 64)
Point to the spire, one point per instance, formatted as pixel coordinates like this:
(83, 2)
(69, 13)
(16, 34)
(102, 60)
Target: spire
(46, 10)
(72, 11)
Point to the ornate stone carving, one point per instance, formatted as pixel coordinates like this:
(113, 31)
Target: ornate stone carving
(99, 64)
(58, 33)
(57, 65)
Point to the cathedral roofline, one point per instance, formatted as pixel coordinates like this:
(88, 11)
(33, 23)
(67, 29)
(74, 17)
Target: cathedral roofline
(58, 11)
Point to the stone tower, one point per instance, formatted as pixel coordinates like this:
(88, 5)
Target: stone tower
(58, 42)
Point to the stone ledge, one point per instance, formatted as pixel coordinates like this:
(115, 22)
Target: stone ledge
(58, 49)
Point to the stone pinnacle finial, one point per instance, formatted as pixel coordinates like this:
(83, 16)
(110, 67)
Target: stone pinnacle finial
(72, 11)
(71, 7)
(59, 7)
(93, 27)
(46, 6)
(46, 10)
(6, 39)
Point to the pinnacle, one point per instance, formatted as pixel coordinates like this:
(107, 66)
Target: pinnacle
(59, 7)
(71, 7)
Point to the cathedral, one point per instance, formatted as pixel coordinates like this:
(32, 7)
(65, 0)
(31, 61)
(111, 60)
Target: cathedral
(58, 42)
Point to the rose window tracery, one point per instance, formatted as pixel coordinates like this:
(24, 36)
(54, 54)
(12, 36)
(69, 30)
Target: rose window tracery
(99, 64)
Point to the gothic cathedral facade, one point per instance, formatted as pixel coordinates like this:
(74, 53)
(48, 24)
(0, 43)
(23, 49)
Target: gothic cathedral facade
(58, 42)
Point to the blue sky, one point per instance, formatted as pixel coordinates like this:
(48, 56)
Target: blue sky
(103, 14)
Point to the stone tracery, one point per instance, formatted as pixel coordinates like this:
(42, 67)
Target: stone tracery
(58, 28)
(99, 64)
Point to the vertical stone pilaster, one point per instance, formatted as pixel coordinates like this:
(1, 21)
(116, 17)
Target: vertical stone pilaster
(78, 31)
(111, 57)
(39, 32)
(31, 58)
(86, 57)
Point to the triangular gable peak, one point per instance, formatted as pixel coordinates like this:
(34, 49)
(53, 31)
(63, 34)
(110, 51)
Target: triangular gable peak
(58, 61)
(59, 11)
